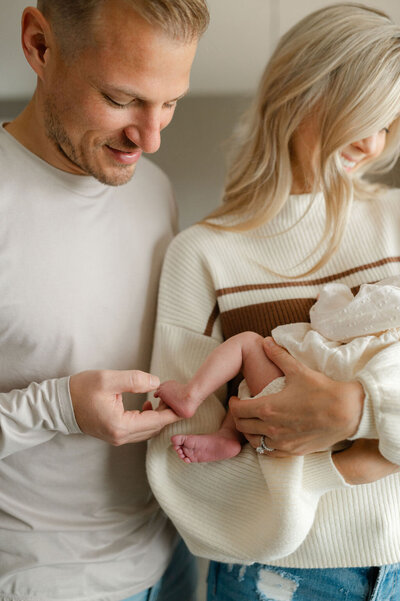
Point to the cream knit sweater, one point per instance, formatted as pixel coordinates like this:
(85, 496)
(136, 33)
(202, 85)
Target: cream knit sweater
(215, 285)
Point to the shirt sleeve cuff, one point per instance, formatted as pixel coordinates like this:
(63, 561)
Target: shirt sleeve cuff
(66, 407)
(367, 426)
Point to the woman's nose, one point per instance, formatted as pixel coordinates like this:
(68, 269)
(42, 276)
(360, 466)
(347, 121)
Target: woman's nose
(368, 145)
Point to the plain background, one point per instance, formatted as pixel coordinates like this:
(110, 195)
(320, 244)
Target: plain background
(230, 60)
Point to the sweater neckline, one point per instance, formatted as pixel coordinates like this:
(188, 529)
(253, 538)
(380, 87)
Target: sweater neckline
(298, 205)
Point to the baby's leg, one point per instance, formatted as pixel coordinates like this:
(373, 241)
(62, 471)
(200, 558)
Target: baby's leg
(243, 352)
(258, 371)
(223, 364)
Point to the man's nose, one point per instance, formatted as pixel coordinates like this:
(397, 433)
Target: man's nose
(146, 131)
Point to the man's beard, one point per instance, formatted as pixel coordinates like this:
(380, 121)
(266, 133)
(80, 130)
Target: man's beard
(57, 134)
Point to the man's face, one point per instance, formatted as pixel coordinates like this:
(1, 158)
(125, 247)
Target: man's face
(105, 108)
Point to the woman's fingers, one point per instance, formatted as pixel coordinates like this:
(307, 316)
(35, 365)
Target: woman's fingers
(278, 355)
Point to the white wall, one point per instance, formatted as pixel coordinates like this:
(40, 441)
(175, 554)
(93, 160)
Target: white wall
(16, 77)
(231, 56)
(241, 36)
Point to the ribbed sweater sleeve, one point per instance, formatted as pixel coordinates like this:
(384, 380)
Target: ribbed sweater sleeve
(381, 381)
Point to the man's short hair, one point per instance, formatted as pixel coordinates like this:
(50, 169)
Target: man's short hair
(184, 20)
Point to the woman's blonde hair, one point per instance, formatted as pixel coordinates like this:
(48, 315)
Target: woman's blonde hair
(342, 65)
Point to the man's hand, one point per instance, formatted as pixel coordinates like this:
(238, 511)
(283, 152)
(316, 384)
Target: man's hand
(99, 411)
(312, 412)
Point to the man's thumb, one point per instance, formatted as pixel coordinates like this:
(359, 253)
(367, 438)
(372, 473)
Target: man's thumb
(132, 381)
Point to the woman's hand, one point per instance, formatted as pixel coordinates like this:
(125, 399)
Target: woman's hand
(312, 412)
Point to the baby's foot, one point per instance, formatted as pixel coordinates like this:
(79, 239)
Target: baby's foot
(198, 448)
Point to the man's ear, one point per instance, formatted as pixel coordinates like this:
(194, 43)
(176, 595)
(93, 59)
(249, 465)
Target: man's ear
(36, 38)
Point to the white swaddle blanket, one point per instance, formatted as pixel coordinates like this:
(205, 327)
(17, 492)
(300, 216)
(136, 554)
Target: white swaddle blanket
(281, 495)
(345, 330)
(338, 315)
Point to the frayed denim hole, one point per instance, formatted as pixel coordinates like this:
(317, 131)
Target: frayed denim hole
(276, 585)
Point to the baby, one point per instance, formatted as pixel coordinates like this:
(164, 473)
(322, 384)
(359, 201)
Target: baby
(344, 333)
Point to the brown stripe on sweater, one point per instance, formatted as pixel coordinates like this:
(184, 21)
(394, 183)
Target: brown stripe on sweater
(264, 317)
(211, 320)
(261, 318)
(315, 282)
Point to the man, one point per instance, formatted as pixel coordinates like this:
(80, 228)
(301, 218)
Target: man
(81, 248)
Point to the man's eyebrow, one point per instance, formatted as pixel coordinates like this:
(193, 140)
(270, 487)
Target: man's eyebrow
(133, 94)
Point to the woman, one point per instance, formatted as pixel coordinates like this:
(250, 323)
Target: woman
(297, 214)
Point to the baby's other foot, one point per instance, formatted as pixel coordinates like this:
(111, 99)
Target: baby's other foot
(200, 448)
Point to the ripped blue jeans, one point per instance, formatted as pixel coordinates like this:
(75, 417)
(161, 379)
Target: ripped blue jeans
(227, 582)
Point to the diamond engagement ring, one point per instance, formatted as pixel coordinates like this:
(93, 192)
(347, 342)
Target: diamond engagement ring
(263, 447)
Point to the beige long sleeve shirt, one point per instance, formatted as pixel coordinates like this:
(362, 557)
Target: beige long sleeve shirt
(79, 269)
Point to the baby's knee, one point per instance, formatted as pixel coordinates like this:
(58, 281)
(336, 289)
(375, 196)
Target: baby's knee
(250, 339)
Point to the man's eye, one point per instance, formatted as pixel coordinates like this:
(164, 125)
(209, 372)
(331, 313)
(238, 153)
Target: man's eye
(114, 102)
